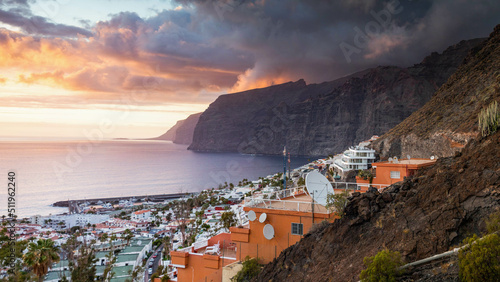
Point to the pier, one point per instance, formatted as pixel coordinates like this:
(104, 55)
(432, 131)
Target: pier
(150, 198)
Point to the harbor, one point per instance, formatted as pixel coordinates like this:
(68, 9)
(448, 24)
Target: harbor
(143, 198)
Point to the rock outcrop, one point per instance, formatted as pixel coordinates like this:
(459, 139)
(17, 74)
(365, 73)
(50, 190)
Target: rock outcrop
(182, 131)
(420, 217)
(320, 119)
(449, 120)
(170, 134)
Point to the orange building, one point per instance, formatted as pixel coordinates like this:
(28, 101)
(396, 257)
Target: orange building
(285, 219)
(286, 216)
(204, 260)
(390, 172)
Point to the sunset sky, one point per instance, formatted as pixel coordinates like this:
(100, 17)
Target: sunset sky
(66, 66)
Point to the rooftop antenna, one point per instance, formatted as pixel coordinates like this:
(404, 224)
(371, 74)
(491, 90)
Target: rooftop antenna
(252, 216)
(408, 157)
(268, 231)
(262, 217)
(319, 186)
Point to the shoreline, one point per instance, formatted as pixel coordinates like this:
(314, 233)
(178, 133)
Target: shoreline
(151, 198)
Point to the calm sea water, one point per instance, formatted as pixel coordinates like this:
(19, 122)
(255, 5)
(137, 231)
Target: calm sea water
(53, 171)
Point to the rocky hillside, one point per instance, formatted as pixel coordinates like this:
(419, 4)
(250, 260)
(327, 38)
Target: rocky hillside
(319, 119)
(449, 120)
(420, 217)
(182, 131)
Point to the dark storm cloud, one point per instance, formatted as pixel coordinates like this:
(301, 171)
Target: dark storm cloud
(170, 43)
(317, 40)
(18, 14)
(207, 47)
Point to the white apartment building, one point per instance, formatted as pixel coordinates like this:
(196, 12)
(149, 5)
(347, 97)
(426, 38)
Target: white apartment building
(355, 158)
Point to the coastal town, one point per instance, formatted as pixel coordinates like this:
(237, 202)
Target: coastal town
(205, 236)
(249, 141)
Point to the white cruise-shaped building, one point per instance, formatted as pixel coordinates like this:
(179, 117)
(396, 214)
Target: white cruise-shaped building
(356, 158)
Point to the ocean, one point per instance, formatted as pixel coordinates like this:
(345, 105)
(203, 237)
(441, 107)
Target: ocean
(51, 171)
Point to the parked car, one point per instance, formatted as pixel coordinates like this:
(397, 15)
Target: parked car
(150, 270)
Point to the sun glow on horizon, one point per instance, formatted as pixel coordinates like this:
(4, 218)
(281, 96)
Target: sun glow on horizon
(66, 65)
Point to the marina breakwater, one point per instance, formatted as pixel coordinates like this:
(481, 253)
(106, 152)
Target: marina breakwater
(113, 200)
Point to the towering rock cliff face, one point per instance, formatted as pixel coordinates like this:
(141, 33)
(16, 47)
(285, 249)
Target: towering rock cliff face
(449, 120)
(182, 131)
(421, 217)
(319, 119)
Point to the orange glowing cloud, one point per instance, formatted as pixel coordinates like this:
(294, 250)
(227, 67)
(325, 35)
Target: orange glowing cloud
(251, 80)
(29, 53)
(115, 60)
(3, 80)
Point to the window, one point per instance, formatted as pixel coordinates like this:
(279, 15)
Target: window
(297, 229)
(395, 175)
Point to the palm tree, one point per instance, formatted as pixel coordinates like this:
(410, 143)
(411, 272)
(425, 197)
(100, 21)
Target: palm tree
(104, 237)
(166, 246)
(128, 235)
(40, 256)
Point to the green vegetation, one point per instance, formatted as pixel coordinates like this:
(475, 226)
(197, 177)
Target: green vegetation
(161, 273)
(82, 266)
(489, 119)
(40, 256)
(251, 268)
(366, 175)
(337, 202)
(480, 260)
(301, 182)
(135, 274)
(228, 219)
(128, 235)
(384, 266)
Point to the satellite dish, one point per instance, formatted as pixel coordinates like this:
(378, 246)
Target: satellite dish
(408, 157)
(432, 157)
(395, 158)
(390, 160)
(262, 217)
(268, 231)
(318, 187)
(252, 216)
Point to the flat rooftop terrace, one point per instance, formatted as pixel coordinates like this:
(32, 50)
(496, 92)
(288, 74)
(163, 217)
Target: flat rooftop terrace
(295, 199)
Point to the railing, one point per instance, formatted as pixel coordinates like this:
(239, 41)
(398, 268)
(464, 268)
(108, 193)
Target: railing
(200, 244)
(184, 250)
(357, 186)
(292, 192)
(278, 204)
(278, 199)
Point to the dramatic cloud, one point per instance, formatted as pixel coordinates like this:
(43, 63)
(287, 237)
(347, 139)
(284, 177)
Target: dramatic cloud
(206, 47)
(18, 14)
(322, 40)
